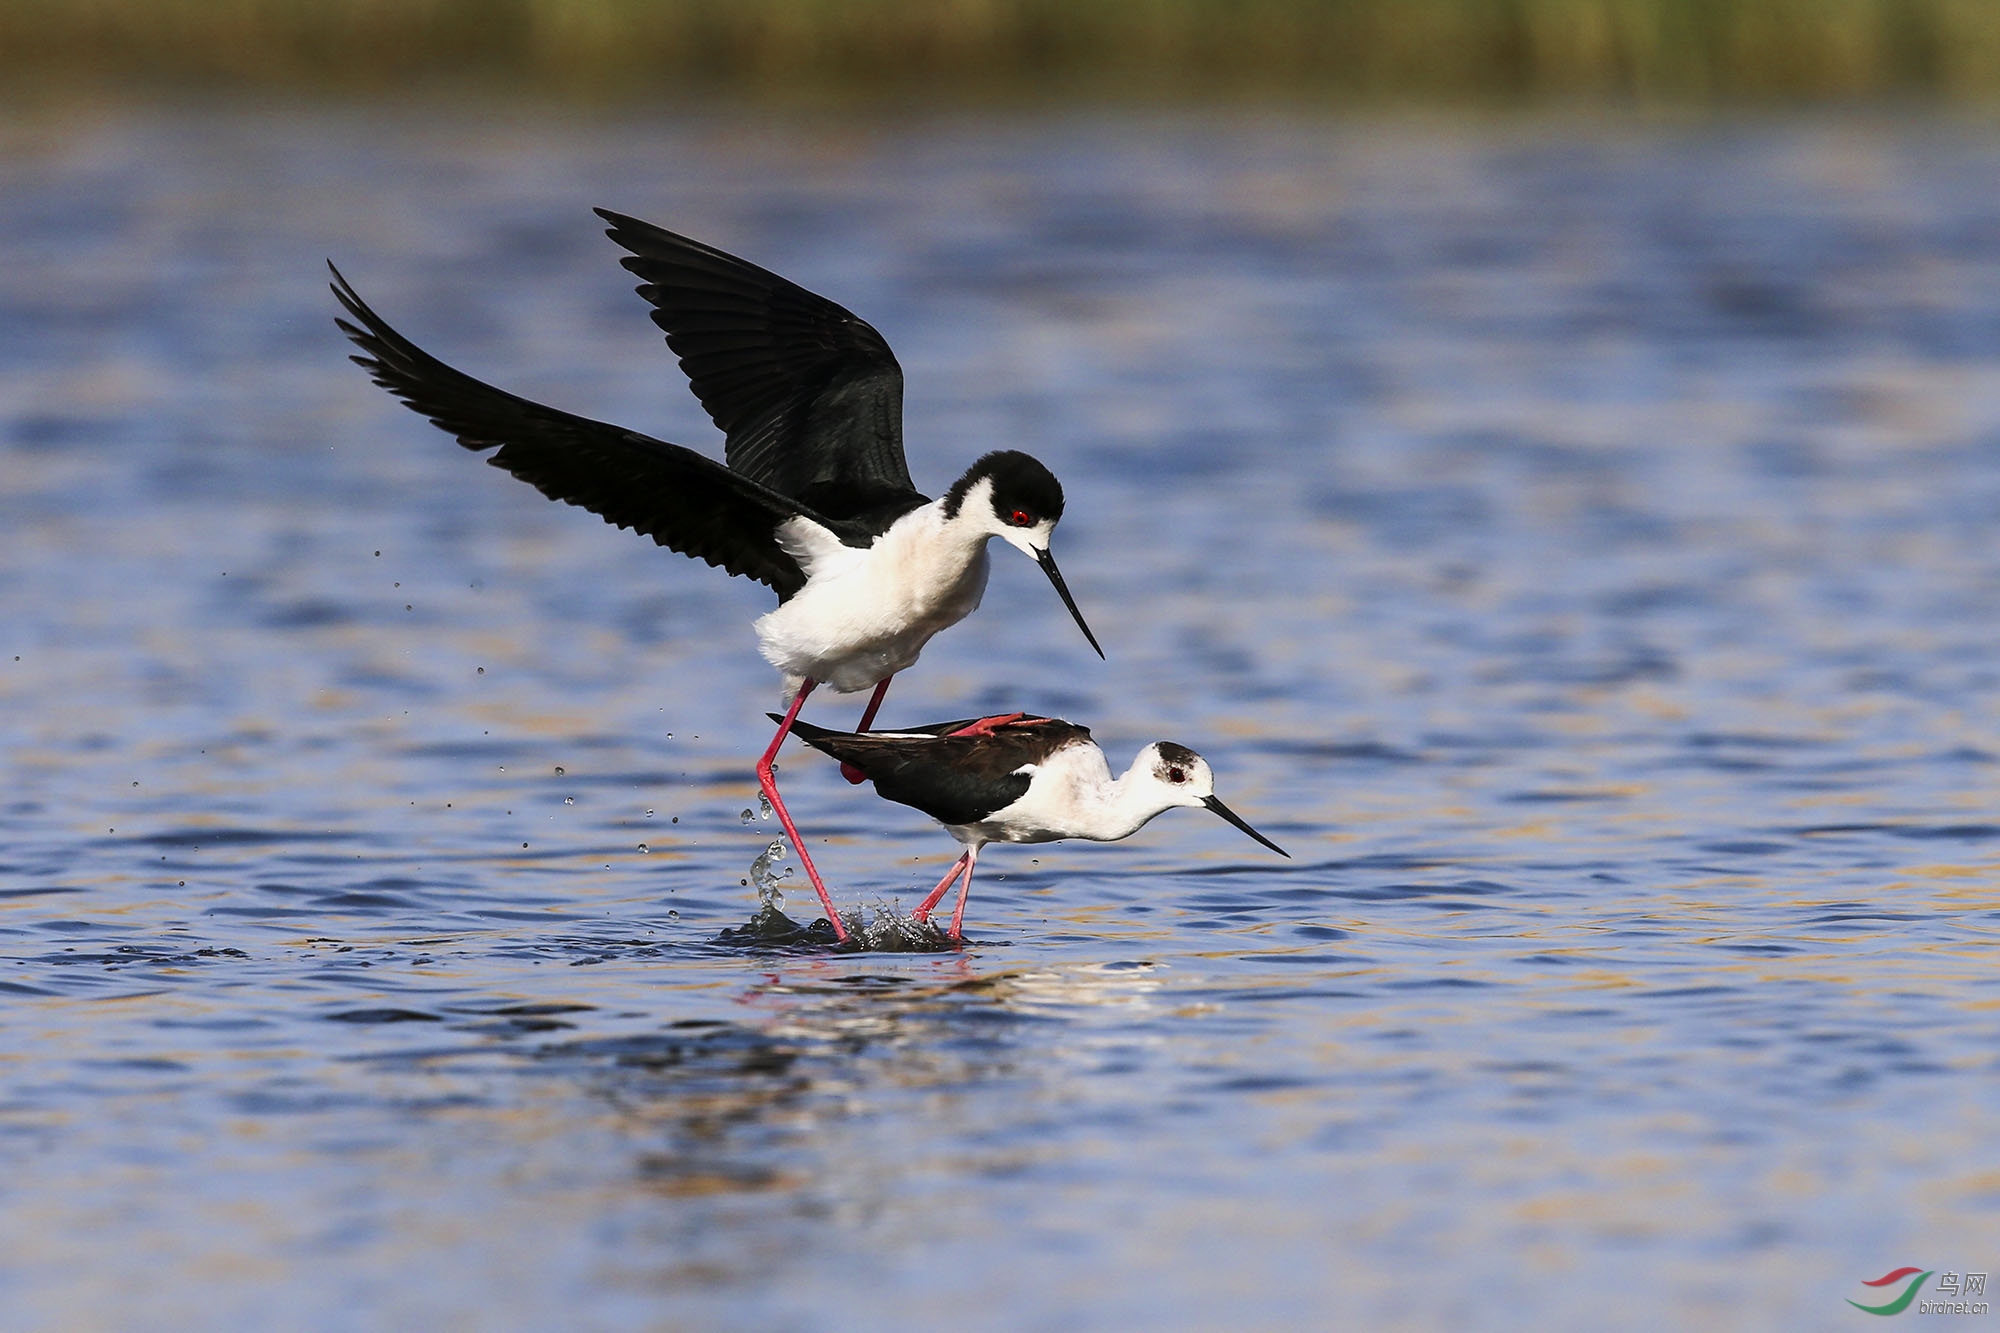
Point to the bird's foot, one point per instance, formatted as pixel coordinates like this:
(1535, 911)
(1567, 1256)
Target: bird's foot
(986, 726)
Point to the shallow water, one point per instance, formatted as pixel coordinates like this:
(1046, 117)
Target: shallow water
(1573, 543)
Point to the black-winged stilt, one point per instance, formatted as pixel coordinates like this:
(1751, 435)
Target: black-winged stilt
(815, 499)
(1018, 778)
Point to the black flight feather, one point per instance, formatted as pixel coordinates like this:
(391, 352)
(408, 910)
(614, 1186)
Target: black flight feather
(682, 500)
(808, 394)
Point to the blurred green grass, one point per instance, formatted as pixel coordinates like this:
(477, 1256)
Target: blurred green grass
(1343, 50)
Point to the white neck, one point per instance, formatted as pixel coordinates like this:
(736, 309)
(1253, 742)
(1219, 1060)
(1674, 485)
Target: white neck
(1123, 806)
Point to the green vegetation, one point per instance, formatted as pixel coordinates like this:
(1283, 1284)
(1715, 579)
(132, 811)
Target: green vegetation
(1367, 50)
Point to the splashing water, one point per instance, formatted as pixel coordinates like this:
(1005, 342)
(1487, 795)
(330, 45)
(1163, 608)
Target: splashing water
(769, 896)
(894, 931)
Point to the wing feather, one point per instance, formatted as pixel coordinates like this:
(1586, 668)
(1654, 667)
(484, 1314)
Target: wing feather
(679, 498)
(808, 394)
(954, 779)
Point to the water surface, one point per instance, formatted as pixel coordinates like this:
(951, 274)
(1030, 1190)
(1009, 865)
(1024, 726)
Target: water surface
(1573, 543)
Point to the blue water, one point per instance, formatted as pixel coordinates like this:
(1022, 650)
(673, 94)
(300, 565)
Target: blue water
(1572, 541)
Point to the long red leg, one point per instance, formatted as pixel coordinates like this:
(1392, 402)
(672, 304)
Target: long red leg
(849, 771)
(874, 704)
(964, 889)
(923, 912)
(769, 785)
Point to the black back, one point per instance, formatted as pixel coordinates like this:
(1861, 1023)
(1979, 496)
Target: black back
(679, 498)
(954, 779)
(809, 396)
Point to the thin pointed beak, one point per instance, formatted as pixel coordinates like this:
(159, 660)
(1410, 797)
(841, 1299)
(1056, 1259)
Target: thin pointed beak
(1233, 818)
(1048, 564)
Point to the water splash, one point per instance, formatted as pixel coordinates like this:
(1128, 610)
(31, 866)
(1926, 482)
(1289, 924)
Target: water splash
(769, 896)
(893, 931)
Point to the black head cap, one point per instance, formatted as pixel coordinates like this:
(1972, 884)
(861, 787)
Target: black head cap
(1020, 485)
(1176, 763)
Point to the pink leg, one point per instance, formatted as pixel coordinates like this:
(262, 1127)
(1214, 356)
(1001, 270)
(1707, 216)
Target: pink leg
(849, 771)
(769, 785)
(874, 704)
(986, 726)
(964, 889)
(923, 912)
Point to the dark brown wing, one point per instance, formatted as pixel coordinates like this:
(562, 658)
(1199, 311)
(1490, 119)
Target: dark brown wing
(955, 779)
(680, 499)
(809, 395)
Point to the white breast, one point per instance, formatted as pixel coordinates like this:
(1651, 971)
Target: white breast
(866, 614)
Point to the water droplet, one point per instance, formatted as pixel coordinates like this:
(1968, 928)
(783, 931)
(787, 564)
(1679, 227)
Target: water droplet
(482, 671)
(767, 879)
(649, 814)
(748, 817)
(569, 800)
(672, 915)
(763, 806)
(524, 846)
(677, 819)
(643, 849)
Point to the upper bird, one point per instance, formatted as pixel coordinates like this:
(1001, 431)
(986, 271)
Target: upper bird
(1018, 778)
(815, 499)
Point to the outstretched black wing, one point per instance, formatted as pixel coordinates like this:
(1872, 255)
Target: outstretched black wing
(955, 779)
(810, 397)
(680, 499)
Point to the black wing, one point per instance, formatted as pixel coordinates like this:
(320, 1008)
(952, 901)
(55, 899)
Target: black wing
(680, 499)
(810, 396)
(953, 779)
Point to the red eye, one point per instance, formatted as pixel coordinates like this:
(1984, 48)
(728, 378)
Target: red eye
(1175, 775)
(1020, 518)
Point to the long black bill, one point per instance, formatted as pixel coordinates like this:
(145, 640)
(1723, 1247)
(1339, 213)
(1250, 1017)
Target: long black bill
(1235, 819)
(1048, 564)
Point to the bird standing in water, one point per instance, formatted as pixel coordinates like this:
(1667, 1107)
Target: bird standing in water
(815, 498)
(1017, 778)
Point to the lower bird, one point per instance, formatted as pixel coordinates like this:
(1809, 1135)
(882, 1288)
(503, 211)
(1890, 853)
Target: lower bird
(813, 496)
(1019, 778)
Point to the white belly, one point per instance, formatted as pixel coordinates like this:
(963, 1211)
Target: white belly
(1072, 796)
(866, 615)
